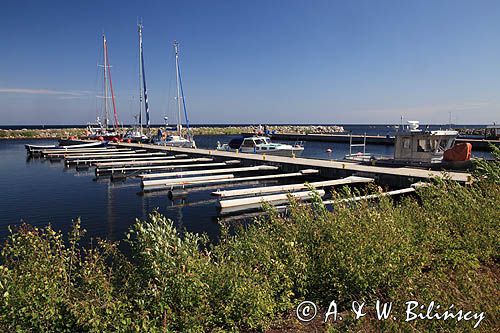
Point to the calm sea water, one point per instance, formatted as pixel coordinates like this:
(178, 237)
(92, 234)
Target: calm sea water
(41, 192)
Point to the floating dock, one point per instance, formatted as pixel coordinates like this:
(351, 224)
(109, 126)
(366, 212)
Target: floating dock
(328, 169)
(477, 144)
(236, 180)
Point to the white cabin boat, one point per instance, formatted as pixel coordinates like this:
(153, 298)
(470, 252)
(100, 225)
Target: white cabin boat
(261, 145)
(413, 146)
(416, 146)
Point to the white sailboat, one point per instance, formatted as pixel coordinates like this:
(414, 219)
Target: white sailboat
(136, 134)
(98, 130)
(177, 140)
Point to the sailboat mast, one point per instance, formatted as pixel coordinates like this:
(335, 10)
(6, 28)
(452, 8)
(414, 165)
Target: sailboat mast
(106, 116)
(139, 27)
(179, 103)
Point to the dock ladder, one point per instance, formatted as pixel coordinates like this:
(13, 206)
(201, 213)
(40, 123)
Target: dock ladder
(357, 144)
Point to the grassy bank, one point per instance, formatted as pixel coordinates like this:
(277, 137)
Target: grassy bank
(441, 245)
(41, 133)
(227, 130)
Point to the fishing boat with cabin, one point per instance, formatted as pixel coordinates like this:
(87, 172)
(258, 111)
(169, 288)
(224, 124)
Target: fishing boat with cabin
(423, 148)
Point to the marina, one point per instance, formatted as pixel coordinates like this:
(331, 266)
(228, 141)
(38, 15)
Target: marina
(187, 180)
(249, 166)
(175, 179)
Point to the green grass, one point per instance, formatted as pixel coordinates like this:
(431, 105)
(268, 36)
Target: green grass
(441, 244)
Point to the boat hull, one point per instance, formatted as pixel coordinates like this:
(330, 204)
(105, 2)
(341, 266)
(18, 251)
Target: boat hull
(177, 144)
(63, 144)
(278, 152)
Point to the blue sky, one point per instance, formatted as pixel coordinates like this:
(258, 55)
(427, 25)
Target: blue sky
(257, 61)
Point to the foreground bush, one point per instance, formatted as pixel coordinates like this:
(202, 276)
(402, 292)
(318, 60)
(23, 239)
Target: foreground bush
(441, 245)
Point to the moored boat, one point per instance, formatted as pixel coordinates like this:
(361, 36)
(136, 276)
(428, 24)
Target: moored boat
(32, 148)
(177, 140)
(422, 148)
(136, 134)
(104, 131)
(261, 145)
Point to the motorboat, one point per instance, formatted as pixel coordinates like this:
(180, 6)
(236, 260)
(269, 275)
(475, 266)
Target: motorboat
(416, 147)
(261, 145)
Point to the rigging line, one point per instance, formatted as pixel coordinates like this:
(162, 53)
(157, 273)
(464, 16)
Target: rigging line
(140, 77)
(117, 125)
(96, 83)
(170, 83)
(182, 94)
(146, 107)
(183, 101)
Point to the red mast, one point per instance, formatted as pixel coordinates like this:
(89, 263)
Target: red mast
(108, 68)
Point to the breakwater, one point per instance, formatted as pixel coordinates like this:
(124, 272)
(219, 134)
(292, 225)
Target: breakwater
(54, 133)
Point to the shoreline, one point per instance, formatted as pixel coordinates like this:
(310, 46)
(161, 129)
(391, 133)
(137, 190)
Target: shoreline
(229, 130)
(299, 130)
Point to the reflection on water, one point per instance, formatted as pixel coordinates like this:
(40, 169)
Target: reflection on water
(41, 192)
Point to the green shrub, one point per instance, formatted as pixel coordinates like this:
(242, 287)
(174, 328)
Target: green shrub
(441, 244)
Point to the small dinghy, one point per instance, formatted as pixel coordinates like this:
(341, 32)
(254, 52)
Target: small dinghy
(34, 148)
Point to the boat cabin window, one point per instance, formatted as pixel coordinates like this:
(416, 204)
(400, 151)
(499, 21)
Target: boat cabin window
(424, 145)
(248, 143)
(442, 144)
(260, 141)
(406, 143)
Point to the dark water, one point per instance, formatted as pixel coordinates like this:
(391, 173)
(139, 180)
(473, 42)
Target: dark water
(40, 192)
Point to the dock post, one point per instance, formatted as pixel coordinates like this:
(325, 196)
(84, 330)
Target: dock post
(364, 145)
(350, 143)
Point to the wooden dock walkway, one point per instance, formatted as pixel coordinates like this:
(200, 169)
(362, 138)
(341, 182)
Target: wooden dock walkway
(331, 169)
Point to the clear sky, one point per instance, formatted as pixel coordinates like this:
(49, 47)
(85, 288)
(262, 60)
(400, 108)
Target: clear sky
(271, 61)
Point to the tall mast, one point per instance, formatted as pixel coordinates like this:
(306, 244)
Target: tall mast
(139, 28)
(115, 114)
(106, 116)
(145, 91)
(179, 103)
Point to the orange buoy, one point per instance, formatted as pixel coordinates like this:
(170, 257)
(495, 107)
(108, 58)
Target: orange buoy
(100, 138)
